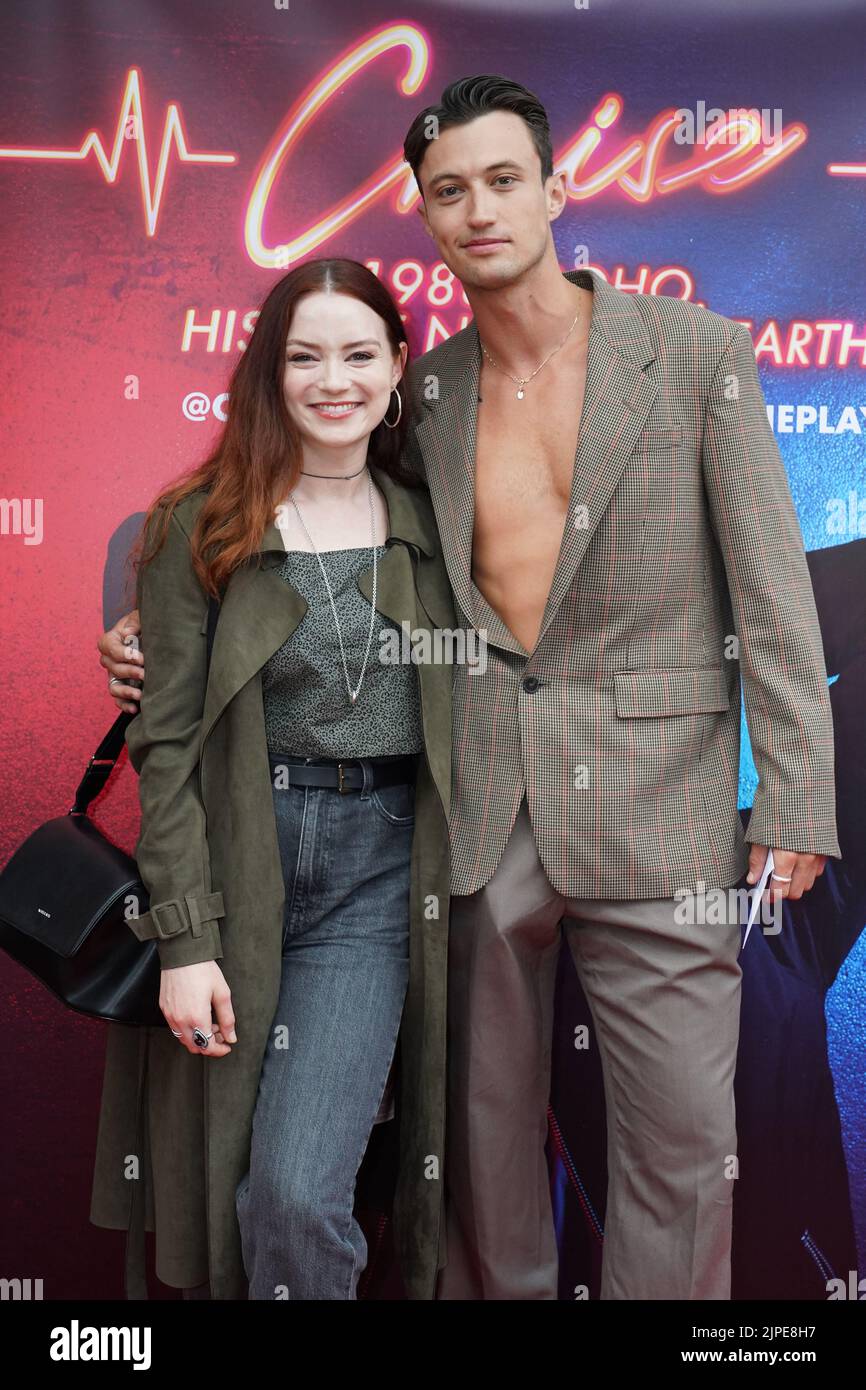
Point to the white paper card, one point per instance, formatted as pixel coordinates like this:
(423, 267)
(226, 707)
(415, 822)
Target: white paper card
(758, 894)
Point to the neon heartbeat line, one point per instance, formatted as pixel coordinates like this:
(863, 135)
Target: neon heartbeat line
(130, 129)
(597, 159)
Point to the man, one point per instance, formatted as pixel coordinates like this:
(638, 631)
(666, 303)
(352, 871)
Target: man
(630, 515)
(616, 519)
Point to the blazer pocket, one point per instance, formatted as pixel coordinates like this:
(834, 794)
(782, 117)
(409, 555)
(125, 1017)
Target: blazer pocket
(678, 690)
(661, 439)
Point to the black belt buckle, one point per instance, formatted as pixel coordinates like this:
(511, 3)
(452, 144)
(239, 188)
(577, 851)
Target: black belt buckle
(340, 787)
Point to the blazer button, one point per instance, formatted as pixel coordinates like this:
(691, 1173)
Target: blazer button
(531, 683)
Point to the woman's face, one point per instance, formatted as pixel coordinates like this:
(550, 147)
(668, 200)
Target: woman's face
(339, 370)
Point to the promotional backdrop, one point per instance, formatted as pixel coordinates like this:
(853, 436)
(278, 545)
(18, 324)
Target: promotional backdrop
(160, 165)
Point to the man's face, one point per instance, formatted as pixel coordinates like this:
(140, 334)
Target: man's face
(484, 202)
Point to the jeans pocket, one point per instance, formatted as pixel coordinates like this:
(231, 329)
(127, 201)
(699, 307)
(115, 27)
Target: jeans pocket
(395, 804)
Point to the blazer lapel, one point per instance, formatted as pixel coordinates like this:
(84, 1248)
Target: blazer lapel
(618, 397)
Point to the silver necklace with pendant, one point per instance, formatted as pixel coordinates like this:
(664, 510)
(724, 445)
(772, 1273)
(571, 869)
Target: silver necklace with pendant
(353, 694)
(522, 381)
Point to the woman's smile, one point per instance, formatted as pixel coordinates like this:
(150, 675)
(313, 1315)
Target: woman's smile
(335, 410)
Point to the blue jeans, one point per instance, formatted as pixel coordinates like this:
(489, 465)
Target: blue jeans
(345, 969)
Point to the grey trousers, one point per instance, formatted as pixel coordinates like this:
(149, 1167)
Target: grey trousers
(665, 1004)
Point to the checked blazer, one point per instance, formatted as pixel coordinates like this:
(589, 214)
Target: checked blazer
(681, 571)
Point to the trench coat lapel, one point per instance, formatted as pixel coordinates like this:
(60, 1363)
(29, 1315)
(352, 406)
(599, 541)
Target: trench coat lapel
(258, 614)
(260, 611)
(396, 599)
(446, 437)
(618, 397)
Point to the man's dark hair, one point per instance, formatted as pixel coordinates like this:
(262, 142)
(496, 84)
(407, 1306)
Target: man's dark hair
(470, 98)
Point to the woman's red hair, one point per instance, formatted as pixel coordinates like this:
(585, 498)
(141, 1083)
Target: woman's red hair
(257, 458)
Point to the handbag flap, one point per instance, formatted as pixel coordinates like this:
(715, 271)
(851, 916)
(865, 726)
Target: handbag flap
(63, 879)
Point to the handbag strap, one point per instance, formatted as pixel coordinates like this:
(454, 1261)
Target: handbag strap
(101, 765)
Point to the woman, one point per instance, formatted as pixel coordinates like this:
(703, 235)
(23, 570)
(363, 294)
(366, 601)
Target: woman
(294, 835)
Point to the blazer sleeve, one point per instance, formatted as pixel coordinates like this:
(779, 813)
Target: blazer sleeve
(163, 741)
(782, 666)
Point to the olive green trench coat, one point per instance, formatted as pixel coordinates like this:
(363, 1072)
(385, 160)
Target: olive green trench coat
(174, 1129)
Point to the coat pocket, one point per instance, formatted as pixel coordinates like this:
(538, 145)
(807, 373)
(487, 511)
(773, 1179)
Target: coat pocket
(678, 690)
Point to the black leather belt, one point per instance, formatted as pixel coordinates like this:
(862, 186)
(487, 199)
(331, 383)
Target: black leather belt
(345, 776)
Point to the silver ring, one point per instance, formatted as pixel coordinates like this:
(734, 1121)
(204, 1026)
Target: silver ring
(781, 878)
(199, 1038)
(176, 1034)
(113, 679)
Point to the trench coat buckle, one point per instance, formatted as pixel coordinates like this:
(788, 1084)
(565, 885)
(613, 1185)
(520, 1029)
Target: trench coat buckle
(173, 922)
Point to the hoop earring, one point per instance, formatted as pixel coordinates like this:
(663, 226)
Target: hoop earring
(399, 411)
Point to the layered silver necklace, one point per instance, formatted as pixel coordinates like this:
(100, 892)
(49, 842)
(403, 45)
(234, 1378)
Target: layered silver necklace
(353, 694)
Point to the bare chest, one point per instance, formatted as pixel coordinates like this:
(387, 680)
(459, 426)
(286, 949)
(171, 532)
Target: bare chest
(525, 449)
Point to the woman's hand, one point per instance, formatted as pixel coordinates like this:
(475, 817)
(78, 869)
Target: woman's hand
(120, 661)
(187, 994)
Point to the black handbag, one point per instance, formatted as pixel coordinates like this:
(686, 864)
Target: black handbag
(64, 900)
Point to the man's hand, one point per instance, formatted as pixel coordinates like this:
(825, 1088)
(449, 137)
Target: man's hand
(802, 869)
(119, 660)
